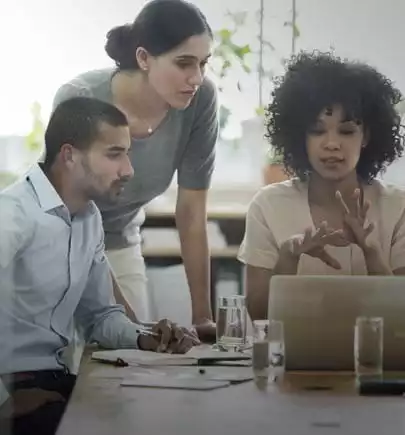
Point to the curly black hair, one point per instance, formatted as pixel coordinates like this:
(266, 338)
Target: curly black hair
(315, 81)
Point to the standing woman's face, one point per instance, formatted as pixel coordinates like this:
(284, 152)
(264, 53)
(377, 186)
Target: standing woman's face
(177, 74)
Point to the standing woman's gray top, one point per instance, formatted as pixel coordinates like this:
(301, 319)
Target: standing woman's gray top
(183, 142)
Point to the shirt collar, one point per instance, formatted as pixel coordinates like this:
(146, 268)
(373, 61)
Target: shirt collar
(48, 198)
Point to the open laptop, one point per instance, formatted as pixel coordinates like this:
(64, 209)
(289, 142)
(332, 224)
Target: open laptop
(319, 314)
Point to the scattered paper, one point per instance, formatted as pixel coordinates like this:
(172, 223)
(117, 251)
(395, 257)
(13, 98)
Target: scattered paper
(177, 382)
(143, 358)
(198, 354)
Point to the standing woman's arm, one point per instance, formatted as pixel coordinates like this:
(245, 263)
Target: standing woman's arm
(194, 176)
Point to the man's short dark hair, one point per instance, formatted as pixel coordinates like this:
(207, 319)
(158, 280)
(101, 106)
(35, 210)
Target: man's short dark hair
(76, 121)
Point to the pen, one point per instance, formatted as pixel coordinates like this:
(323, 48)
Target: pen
(119, 362)
(147, 332)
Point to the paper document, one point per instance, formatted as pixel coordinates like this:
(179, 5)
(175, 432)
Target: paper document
(208, 353)
(233, 375)
(177, 382)
(197, 355)
(142, 357)
(188, 377)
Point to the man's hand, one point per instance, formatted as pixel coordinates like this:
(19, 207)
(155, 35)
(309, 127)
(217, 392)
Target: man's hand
(206, 330)
(25, 401)
(169, 338)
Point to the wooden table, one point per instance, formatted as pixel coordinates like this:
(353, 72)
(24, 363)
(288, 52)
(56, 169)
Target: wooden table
(102, 407)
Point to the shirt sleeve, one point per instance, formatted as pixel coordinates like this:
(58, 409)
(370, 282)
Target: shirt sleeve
(16, 230)
(259, 247)
(100, 317)
(197, 164)
(397, 257)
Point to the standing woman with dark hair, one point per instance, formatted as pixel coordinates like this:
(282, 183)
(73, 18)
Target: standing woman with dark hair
(159, 83)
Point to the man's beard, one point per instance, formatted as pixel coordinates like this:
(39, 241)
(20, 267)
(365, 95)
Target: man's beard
(110, 195)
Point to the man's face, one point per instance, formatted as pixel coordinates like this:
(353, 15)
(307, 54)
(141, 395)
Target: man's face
(104, 168)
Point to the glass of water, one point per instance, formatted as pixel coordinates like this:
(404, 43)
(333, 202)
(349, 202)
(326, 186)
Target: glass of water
(268, 355)
(231, 323)
(276, 348)
(260, 349)
(368, 347)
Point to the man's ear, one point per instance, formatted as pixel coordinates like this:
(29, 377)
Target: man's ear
(68, 154)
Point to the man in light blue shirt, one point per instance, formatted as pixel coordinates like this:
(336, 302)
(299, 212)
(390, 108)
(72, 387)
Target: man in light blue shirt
(53, 271)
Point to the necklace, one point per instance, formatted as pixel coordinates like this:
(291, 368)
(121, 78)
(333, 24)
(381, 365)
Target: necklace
(149, 126)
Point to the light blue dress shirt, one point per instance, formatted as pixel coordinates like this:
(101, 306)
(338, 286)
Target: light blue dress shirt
(53, 273)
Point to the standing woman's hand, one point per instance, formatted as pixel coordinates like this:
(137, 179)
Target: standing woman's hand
(168, 337)
(206, 330)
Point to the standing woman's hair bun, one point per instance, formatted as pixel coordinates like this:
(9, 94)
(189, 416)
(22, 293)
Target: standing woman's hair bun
(160, 26)
(119, 46)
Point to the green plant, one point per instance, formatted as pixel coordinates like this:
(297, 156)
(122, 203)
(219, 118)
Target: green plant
(34, 143)
(272, 156)
(228, 55)
(265, 45)
(35, 139)
(7, 178)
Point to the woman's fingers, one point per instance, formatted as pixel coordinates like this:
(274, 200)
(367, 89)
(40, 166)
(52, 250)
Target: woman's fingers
(329, 260)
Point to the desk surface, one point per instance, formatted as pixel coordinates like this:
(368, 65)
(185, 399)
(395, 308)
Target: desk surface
(100, 406)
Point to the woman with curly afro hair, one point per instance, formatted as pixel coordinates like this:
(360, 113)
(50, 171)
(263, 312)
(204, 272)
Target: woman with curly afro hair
(336, 125)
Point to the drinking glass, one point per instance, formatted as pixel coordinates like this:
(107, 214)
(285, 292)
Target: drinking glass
(268, 355)
(231, 323)
(368, 347)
